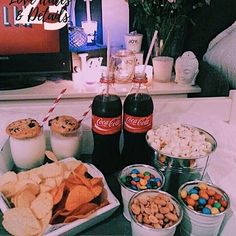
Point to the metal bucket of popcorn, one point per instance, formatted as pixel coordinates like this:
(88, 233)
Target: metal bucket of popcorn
(204, 206)
(181, 152)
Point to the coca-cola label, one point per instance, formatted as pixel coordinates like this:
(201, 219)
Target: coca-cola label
(135, 124)
(106, 126)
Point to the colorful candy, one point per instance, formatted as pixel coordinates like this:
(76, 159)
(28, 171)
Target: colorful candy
(183, 194)
(206, 211)
(137, 180)
(194, 196)
(204, 199)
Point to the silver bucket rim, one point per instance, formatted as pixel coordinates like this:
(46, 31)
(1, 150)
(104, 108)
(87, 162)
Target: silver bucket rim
(156, 191)
(209, 184)
(213, 142)
(140, 165)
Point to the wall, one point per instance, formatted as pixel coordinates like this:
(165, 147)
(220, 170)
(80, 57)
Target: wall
(116, 20)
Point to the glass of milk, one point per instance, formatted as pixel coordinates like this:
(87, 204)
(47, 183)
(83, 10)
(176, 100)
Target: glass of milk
(28, 153)
(66, 144)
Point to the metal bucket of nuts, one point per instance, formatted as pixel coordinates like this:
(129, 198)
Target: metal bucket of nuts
(181, 152)
(204, 206)
(154, 213)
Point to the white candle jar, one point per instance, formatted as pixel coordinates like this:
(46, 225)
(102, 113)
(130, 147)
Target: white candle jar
(133, 42)
(162, 67)
(123, 62)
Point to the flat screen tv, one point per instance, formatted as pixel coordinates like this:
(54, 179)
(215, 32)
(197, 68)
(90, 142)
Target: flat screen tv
(28, 53)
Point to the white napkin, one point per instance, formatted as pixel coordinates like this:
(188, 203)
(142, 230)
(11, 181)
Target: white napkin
(222, 171)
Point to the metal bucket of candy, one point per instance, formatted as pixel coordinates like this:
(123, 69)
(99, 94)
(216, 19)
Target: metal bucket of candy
(135, 178)
(205, 206)
(181, 152)
(154, 213)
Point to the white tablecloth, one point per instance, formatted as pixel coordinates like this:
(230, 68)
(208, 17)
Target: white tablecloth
(222, 165)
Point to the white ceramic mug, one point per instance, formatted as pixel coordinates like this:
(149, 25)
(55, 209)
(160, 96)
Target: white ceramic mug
(162, 67)
(133, 42)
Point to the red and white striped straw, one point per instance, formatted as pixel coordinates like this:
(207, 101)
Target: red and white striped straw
(85, 114)
(53, 106)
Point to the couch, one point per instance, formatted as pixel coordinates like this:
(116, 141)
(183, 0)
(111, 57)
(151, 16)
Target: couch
(209, 23)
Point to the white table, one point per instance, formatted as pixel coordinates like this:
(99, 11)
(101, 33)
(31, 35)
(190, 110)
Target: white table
(75, 90)
(212, 111)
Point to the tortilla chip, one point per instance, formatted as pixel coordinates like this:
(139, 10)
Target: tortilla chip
(77, 196)
(42, 205)
(21, 221)
(24, 199)
(81, 169)
(57, 193)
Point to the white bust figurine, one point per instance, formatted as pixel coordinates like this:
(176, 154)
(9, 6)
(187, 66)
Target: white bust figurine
(186, 68)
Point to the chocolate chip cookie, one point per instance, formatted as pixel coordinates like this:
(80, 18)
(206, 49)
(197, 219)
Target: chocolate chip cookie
(24, 128)
(63, 124)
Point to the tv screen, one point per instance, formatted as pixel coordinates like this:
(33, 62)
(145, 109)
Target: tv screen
(28, 50)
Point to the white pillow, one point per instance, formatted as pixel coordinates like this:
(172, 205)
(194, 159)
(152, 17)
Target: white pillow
(221, 53)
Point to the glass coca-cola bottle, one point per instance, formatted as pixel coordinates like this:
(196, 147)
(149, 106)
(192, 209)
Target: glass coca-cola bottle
(137, 120)
(106, 127)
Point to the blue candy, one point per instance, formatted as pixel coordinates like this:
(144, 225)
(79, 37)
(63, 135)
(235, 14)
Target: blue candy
(149, 186)
(206, 211)
(135, 171)
(197, 188)
(202, 201)
(193, 191)
(157, 180)
(134, 187)
(136, 179)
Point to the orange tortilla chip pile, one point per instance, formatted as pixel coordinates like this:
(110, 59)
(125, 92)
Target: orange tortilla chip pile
(77, 197)
(60, 192)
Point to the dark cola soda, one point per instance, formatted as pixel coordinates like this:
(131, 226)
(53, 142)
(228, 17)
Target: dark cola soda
(138, 118)
(106, 128)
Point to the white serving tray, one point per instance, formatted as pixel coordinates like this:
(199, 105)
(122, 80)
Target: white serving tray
(82, 224)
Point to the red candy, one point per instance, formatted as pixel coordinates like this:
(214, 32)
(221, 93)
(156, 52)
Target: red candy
(211, 201)
(190, 201)
(217, 196)
(223, 203)
(211, 192)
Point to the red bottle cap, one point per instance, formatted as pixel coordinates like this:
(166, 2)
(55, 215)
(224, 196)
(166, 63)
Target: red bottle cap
(107, 78)
(140, 78)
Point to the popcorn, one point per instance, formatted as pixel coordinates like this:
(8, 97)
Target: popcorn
(179, 140)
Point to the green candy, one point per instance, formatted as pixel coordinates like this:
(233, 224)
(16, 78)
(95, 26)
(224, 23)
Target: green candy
(123, 179)
(146, 173)
(217, 205)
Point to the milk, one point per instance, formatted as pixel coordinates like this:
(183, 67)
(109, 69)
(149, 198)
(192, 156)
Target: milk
(67, 145)
(29, 152)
